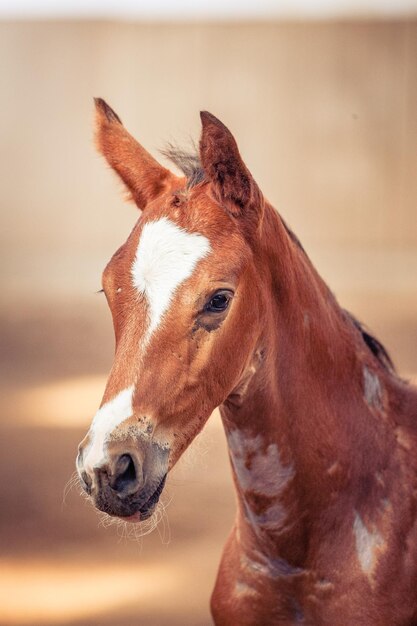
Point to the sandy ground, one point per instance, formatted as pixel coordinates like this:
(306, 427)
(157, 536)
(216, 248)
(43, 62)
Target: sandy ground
(60, 564)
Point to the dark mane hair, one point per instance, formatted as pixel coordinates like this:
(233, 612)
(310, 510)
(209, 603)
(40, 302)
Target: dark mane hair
(374, 345)
(188, 162)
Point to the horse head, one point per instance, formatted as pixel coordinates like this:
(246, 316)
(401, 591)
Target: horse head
(186, 302)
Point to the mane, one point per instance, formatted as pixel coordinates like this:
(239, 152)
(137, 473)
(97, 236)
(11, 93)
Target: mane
(374, 345)
(188, 162)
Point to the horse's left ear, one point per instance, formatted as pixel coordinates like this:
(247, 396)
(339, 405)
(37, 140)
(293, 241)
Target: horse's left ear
(232, 182)
(143, 176)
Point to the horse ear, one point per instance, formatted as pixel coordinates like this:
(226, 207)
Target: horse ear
(143, 176)
(232, 182)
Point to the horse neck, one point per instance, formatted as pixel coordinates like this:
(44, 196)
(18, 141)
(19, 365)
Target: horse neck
(298, 428)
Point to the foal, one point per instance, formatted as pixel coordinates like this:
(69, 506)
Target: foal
(215, 303)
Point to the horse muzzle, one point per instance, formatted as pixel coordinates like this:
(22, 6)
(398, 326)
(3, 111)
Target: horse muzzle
(128, 482)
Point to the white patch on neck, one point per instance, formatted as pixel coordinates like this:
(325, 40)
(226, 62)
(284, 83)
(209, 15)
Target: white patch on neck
(244, 589)
(259, 564)
(259, 471)
(107, 418)
(367, 545)
(372, 389)
(166, 256)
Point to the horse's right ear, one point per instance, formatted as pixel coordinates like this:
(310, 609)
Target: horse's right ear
(143, 176)
(232, 182)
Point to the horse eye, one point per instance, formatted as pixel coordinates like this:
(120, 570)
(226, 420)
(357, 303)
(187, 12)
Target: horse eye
(219, 302)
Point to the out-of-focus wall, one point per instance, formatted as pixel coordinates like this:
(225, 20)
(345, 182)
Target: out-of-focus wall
(324, 114)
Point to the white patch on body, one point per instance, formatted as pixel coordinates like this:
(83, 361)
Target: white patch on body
(334, 468)
(372, 388)
(367, 545)
(107, 418)
(243, 589)
(259, 471)
(166, 256)
(260, 565)
(403, 437)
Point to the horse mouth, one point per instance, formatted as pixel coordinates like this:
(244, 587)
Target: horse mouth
(147, 509)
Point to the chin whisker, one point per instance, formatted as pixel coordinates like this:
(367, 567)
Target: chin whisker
(128, 531)
(73, 482)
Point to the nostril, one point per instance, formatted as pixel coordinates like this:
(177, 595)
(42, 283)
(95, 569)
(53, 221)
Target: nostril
(125, 479)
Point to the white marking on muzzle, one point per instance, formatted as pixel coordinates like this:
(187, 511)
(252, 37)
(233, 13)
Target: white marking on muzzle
(107, 418)
(165, 257)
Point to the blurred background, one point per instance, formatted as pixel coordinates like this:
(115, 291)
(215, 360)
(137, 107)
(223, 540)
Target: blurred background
(322, 98)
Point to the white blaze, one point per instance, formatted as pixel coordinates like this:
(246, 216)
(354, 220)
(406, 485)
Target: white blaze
(166, 256)
(105, 421)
